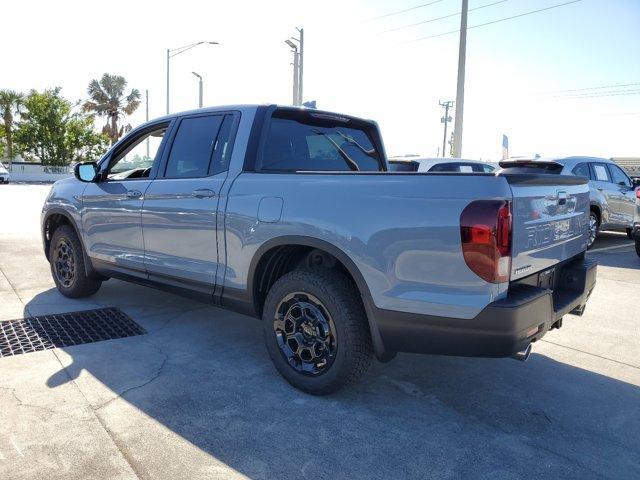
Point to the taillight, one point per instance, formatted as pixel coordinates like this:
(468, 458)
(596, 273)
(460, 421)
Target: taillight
(485, 230)
(638, 193)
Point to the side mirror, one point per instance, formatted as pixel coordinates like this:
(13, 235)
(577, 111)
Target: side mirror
(86, 172)
(635, 181)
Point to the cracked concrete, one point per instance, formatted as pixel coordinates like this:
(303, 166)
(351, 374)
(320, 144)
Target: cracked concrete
(196, 397)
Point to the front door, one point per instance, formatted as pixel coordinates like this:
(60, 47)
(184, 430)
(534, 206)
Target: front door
(180, 209)
(626, 197)
(112, 206)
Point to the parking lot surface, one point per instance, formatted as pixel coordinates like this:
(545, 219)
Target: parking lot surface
(197, 396)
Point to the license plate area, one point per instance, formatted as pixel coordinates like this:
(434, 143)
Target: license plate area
(546, 278)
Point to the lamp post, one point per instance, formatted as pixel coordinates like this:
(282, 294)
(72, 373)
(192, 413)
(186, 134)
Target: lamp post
(199, 89)
(172, 52)
(296, 59)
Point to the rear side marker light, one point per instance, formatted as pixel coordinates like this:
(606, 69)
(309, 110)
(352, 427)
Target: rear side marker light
(486, 235)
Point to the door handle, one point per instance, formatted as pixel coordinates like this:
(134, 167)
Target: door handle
(134, 193)
(600, 189)
(203, 193)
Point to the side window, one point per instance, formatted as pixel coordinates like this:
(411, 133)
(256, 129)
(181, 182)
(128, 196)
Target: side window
(193, 147)
(137, 158)
(600, 172)
(307, 142)
(582, 170)
(618, 176)
(222, 148)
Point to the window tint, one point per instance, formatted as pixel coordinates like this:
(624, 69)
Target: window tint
(304, 142)
(222, 148)
(582, 170)
(600, 172)
(618, 176)
(461, 167)
(403, 166)
(193, 146)
(137, 158)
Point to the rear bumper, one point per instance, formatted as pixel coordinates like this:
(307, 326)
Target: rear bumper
(503, 328)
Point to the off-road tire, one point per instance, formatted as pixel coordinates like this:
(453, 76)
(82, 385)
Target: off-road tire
(341, 299)
(80, 285)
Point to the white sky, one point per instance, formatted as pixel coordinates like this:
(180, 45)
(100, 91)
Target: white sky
(350, 67)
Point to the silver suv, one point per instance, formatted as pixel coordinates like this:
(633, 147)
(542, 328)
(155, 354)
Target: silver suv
(612, 192)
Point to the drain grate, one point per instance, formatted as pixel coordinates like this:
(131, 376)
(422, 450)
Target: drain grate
(65, 329)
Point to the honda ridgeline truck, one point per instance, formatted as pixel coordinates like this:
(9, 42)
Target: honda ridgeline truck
(290, 215)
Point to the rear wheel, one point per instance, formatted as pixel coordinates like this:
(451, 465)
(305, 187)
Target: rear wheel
(67, 265)
(594, 228)
(638, 247)
(316, 330)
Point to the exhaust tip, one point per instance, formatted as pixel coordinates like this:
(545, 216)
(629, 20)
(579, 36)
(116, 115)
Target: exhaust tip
(523, 355)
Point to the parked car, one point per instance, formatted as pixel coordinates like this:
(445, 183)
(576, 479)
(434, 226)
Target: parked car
(4, 174)
(289, 215)
(420, 164)
(612, 194)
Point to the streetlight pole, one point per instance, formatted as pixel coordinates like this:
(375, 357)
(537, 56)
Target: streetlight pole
(296, 77)
(199, 88)
(177, 51)
(462, 54)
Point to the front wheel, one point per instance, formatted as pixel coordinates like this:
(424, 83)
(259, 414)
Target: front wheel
(316, 330)
(638, 247)
(594, 228)
(67, 265)
(629, 233)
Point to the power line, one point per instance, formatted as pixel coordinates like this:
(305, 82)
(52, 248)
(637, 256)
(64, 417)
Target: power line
(441, 18)
(398, 12)
(619, 85)
(500, 20)
(597, 95)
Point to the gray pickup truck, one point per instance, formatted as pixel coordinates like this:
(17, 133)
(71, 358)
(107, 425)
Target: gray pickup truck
(291, 216)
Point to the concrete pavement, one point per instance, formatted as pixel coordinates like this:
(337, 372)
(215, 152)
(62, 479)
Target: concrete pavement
(197, 396)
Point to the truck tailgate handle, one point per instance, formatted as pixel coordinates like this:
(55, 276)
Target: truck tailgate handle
(203, 193)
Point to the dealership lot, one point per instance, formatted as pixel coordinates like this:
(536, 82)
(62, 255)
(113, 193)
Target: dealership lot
(197, 397)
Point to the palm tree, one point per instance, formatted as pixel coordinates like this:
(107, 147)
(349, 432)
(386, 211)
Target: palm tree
(107, 99)
(11, 104)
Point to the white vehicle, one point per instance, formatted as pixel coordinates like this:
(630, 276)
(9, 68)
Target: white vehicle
(421, 164)
(4, 174)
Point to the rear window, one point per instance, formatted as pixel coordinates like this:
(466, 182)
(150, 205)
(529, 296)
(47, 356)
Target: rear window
(461, 167)
(313, 141)
(533, 167)
(403, 166)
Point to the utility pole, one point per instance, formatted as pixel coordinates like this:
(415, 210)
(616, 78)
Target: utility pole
(462, 54)
(301, 65)
(146, 96)
(446, 119)
(298, 65)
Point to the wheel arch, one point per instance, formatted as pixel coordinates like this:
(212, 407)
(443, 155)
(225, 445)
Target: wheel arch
(279, 255)
(56, 217)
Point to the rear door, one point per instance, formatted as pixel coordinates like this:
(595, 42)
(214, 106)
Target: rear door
(550, 220)
(180, 210)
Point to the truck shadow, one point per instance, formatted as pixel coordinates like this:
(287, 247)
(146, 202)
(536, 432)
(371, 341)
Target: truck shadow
(201, 374)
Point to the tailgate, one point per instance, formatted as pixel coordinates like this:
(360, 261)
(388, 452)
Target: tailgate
(550, 220)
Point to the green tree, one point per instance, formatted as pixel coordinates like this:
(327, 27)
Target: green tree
(107, 99)
(53, 133)
(11, 104)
